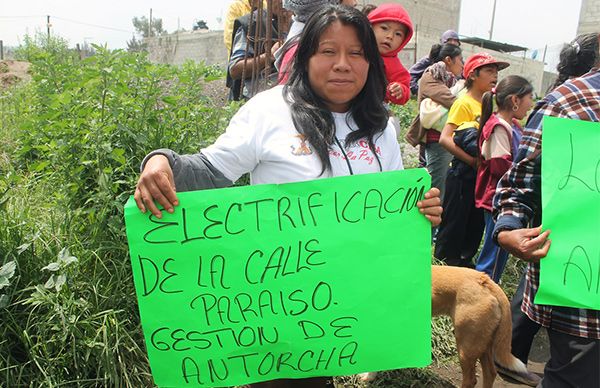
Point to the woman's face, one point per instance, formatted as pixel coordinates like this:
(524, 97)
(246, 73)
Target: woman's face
(454, 66)
(338, 70)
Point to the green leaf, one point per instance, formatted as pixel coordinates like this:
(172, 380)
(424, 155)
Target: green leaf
(53, 267)
(60, 282)
(65, 258)
(8, 269)
(118, 154)
(3, 301)
(40, 165)
(69, 260)
(171, 100)
(50, 282)
(23, 247)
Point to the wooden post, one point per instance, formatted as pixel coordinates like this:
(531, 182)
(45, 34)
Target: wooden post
(48, 27)
(544, 56)
(416, 35)
(493, 17)
(1, 50)
(150, 24)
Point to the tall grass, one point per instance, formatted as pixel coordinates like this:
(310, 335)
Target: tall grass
(71, 144)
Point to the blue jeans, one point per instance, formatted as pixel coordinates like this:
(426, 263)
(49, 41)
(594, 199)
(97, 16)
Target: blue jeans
(438, 162)
(492, 258)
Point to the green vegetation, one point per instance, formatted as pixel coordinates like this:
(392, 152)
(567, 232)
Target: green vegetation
(72, 141)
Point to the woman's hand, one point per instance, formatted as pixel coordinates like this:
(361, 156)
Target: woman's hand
(156, 183)
(431, 206)
(528, 244)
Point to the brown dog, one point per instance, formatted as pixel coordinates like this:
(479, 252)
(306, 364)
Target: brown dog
(481, 315)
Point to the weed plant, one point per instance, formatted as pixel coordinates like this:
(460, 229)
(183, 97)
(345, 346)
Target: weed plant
(72, 142)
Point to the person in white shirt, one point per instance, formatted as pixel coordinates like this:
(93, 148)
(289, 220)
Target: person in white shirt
(328, 120)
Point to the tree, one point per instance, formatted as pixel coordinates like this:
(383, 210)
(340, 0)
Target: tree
(135, 45)
(200, 25)
(143, 27)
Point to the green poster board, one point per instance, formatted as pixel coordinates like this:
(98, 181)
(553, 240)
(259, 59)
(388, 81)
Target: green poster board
(320, 278)
(570, 274)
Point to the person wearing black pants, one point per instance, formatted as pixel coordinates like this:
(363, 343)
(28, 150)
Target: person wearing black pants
(524, 329)
(462, 224)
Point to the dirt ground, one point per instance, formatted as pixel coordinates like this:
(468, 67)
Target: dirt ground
(12, 72)
(537, 359)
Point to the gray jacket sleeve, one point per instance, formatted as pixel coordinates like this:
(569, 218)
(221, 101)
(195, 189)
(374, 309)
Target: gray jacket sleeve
(191, 172)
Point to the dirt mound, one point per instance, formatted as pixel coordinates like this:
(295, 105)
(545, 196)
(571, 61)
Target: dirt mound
(12, 72)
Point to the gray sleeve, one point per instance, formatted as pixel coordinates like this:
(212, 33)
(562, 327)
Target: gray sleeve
(240, 49)
(191, 172)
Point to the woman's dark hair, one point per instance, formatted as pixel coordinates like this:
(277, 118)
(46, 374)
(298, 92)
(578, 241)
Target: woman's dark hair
(310, 114)
(577, 58)
(512, 85)
(440, 51)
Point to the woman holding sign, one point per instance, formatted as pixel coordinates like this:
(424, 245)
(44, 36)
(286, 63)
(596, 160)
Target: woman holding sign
(332, 107)
(328, 120)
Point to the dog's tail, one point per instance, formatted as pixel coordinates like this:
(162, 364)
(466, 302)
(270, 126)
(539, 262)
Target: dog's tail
(507, 363)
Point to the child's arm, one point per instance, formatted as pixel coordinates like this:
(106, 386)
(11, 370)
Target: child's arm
(398, 90)
(447, 141)
(497, 151)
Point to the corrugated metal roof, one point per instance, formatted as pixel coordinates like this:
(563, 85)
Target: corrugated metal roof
(492, 45)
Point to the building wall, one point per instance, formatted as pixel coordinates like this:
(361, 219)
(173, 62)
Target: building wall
(528, 68)
(432, 17)
(525, 67)
(200, 46)
(589, 17)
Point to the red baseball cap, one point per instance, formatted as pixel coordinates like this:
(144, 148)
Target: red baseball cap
(478, 60)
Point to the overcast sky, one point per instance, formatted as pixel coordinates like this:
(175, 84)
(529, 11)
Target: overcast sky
(529, 23)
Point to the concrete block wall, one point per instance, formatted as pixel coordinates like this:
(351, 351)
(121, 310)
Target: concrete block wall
(431, 17)
(528, 68)
(589, 17)
(175, 49)
(525, 67)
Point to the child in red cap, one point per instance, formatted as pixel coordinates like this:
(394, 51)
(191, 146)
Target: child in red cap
(393, 29)
(462, 223)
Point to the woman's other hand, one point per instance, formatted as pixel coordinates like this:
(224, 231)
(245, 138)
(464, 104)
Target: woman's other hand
(431, 206)
(156, 184)
(528, 244)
